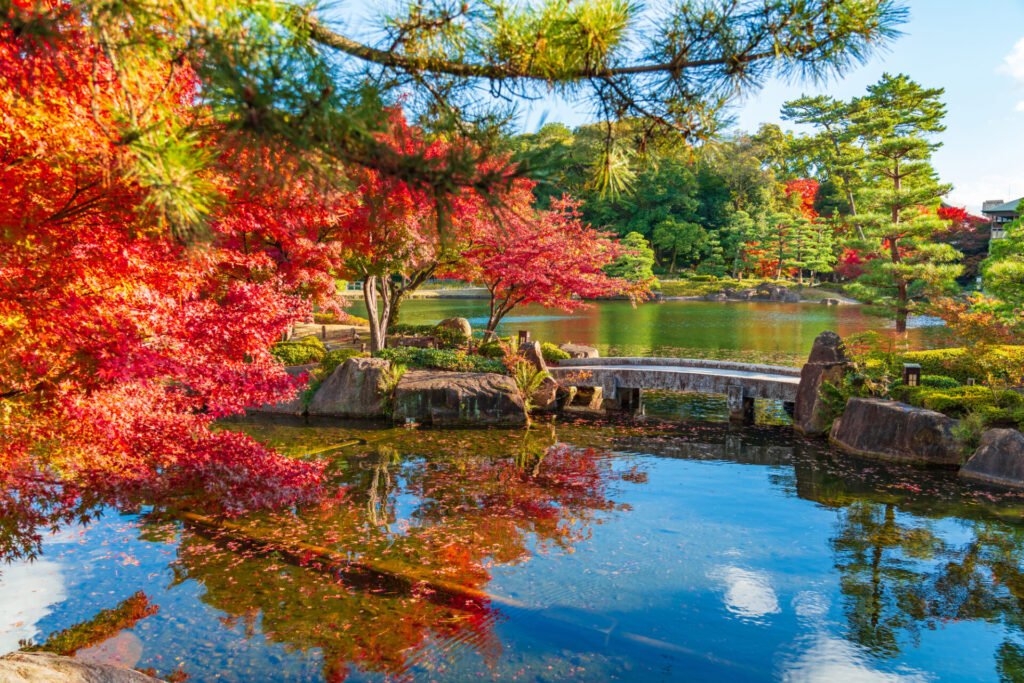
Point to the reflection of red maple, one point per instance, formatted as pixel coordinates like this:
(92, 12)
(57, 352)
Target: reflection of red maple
(469, 513)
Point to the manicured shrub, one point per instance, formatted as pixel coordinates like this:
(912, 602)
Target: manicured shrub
(492, 348)
(441, 359)
(960, 365)
(301, 352)
(551, 353)
(939, 382)
(343, 319)
(447, 338)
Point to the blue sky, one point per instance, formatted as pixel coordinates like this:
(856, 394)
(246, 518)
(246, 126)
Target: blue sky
(973, 49)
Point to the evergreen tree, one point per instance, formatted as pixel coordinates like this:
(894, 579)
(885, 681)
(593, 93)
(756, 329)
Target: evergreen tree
(901, 194)
(634, 265)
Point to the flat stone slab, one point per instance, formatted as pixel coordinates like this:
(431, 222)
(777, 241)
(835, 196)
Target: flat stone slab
(896, 431)
(998, 460)
(46, 667)
(756, 383)
(458, 398)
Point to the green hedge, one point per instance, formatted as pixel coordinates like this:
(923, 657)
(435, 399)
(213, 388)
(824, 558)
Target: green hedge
(441, 359)
(939, 382)
(551, 353)
(343, 319)
(301, 352)
(959, 365)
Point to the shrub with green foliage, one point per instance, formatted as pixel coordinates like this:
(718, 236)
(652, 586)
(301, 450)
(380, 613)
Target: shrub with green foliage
(343, 319)
(551, 353)
(301, 352)
(961, 365)
(492, 348)
(939, 382)
(447, 338)
(441, 359)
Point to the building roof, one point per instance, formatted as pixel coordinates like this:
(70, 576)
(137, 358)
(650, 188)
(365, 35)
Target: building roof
(1008, 207)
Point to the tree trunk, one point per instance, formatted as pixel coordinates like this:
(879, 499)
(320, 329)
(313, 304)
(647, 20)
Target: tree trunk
(378, 329)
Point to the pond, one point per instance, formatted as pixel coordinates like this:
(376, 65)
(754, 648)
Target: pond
(637, 551)
(759, 331)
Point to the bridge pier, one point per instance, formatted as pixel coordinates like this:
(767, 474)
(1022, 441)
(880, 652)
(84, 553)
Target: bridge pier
(741, 407)
(626, 401)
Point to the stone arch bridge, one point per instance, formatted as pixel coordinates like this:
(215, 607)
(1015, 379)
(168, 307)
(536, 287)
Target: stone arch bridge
(622, 380)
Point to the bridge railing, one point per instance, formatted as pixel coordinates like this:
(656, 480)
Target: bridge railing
(681, 362)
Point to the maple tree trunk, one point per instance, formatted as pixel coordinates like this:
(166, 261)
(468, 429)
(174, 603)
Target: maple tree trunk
(378, 332)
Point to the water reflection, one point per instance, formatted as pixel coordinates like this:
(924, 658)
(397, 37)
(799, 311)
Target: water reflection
(413, 528)
(638, 550)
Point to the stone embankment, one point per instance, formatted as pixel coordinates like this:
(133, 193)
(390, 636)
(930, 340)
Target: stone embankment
(896, 431)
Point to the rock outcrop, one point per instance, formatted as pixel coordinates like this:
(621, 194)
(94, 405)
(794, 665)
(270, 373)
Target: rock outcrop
(459, 325)
(296, 406)
(580, 351)
(764, 292)
(998, 460)
(46, 667)
(357, 388)
(453, 398)
(545, 398)
(897, 431)
(827, 363)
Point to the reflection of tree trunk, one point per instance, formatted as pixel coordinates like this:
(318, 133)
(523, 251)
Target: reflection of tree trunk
(887, 532)
(377, 502)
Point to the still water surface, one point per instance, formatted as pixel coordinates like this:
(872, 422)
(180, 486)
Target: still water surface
(759, 330)
(637, 551)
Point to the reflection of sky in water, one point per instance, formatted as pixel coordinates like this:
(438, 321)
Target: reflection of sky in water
(828, 659)
(719, 566)
(748, 594)
(27, 593)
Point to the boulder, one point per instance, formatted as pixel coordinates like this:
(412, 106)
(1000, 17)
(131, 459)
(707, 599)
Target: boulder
(46, 667)
(458, 324)
(828, 347)
(580, 351)
(533, 354)
(357, 388)
(446, 398)
(743, 294)
(897, 431)
(547, 397)
(998, 460)
(716, 296)
(769, 292)
(827, 363)
(296, 406)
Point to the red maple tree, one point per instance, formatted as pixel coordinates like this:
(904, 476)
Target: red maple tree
(546, 257)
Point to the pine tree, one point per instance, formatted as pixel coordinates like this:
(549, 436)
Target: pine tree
(896, 121)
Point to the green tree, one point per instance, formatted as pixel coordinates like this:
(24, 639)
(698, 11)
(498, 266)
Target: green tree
(635, 263)
(896, 120)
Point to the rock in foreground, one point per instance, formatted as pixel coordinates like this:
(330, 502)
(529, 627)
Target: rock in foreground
(827, 363)
(453, 398)
(897, 431)
(46, 667)
(357, 388)
(998, 460)
(579, 351)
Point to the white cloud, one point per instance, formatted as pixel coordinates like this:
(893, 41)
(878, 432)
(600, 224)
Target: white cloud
(833, 659)
(1013, 65)
(748, 594)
